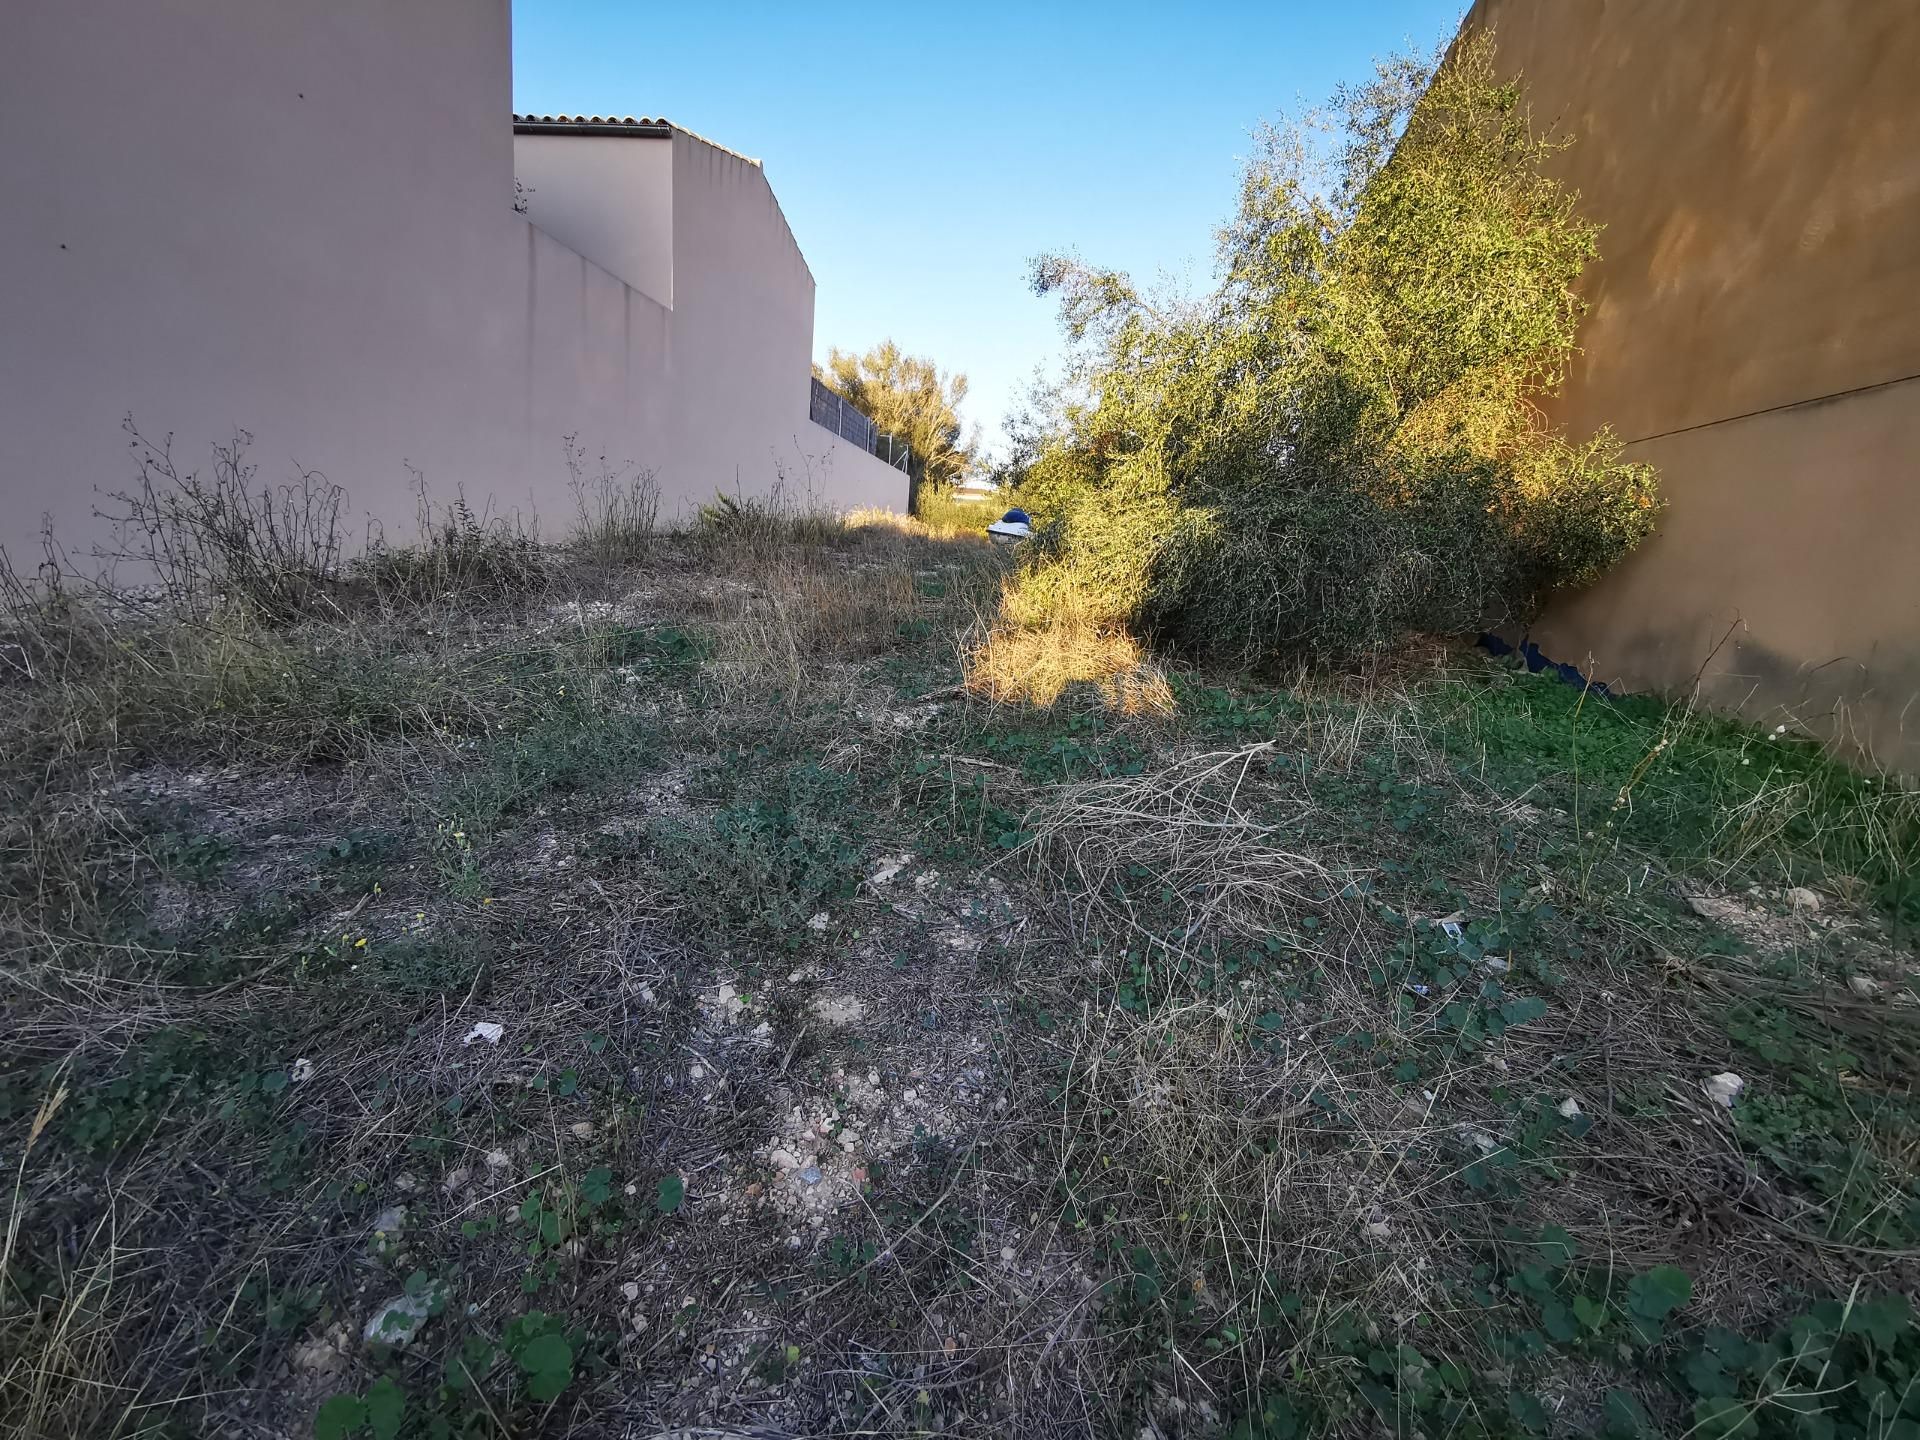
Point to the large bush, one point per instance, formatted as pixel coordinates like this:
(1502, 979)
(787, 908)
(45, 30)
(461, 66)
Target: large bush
(1339, 445)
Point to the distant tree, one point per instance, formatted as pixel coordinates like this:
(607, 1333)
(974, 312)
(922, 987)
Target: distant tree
(908, 397)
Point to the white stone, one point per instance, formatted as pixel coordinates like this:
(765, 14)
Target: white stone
(390, 1221)
(838, 1010)
(486, 1031)
(318, 1357)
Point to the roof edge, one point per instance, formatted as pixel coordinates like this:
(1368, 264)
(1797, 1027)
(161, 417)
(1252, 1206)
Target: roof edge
(625, 127)
(644, 128)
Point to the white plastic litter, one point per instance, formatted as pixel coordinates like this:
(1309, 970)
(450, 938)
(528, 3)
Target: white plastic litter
(1479, 1139)
(400, 1319)
(890, 866)
(302, 1072)
(489, 1031)
(1723, 1089)
(1570, 1108)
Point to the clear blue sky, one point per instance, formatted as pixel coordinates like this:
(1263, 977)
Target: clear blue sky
(924, 153)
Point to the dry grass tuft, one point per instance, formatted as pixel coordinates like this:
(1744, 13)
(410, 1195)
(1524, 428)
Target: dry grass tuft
(1195, 827)
(616, 508)
(1030, 659)
(801, 622)
(811, 609)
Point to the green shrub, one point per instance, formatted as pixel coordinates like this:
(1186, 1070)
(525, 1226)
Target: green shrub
(1339, 446)
(936, 507)
(1844, 1368)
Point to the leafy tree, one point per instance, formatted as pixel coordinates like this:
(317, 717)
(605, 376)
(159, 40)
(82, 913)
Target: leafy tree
(1338, 445)
(907, 396)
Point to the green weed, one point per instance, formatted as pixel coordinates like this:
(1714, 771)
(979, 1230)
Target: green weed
(765, 863)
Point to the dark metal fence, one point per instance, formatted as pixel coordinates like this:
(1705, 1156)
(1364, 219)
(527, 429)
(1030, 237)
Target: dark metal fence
(829, 410)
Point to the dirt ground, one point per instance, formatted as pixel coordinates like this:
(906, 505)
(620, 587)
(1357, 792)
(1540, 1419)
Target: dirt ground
(665, 999)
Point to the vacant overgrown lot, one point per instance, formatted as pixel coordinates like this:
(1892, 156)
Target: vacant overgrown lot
(678, 985)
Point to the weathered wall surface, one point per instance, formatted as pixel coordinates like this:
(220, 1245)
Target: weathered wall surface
(609, 197)
(290, 218)
(737, 336)
(743, 325)
(1753, 334)
(297, 219)
(591, 363)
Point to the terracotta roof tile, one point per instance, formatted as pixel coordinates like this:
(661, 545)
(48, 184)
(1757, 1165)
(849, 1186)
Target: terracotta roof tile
(643, 126)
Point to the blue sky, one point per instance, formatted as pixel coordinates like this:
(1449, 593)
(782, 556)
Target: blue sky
(924, 153)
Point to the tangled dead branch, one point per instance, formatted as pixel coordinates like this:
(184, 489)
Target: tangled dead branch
(1205, 835)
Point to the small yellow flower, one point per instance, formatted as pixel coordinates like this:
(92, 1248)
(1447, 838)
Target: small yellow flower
(361, 943)
(488, 900)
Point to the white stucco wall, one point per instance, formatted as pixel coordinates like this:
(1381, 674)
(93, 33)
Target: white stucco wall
(277, 216)
(739, 332)
(592, 366)
(743, 343)
(297, 219)
(743, 324)
(610, 198)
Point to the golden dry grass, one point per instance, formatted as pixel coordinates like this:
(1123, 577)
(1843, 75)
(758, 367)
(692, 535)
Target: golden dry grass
(1024, 657)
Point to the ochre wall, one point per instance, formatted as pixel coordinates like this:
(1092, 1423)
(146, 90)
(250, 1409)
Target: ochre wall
(1754, 332)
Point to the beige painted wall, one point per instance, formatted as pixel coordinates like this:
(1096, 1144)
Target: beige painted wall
(739, 328)
(297, 219)
(610, 198)
(1753, 332)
